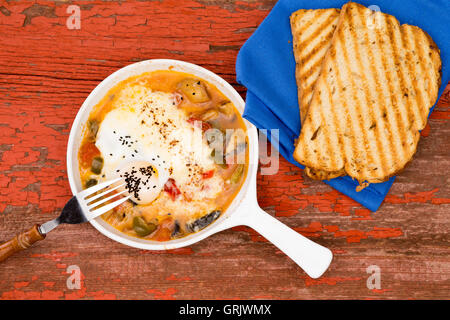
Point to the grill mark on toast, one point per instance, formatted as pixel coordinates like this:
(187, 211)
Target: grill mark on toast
(319, 29)
(387, 160)
(392, 121)
(326, 133)
(313, 54)
(397, 49)
(400, 111)
(415, 100)
(337, 127)
(348, 143)
(424, 70)
(307, 15)
(307, 148)
(384, 95)
(404, 132)
(381, 160)
(307, 91)
(357, 108)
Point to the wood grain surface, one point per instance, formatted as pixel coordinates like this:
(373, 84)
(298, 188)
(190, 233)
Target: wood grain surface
(46, 72)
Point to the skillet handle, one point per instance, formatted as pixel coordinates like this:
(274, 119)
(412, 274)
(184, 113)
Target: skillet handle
(313, 258)
(20, 242)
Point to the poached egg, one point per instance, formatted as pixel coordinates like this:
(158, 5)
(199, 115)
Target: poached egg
(146, 139)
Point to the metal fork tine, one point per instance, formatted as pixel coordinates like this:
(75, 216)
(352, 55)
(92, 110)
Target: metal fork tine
(98, 212)
(103, 193)
(96, 188)
(95, 204)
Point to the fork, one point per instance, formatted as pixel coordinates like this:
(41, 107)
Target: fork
(81, 208)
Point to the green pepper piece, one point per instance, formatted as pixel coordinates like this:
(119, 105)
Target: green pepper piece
(97, 165)
(90, 183)
(237, 173)
(142, 228)
(93, 127)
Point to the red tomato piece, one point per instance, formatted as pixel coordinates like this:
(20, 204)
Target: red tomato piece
(171, 188)
(88, 151)
(208, 174)
(205, 125)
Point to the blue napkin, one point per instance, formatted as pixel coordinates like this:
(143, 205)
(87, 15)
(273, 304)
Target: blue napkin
(265, 65)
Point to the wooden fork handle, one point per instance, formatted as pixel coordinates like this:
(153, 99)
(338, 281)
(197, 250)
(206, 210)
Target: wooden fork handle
(20, 242)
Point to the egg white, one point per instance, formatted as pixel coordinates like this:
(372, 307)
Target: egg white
(147, 126)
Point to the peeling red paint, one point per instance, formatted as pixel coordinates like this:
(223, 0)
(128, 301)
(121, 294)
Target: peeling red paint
(263, 297)
(338, 251)
(315, 229)
(39, 99)
(418, 197)
(101, 295)
(426, 131)
(48, 284)
(328, 280)
(160, 295)
(54, 256)
(362, 214)
(173, 277)
(31, 295)
(381, 290)
(21, 284)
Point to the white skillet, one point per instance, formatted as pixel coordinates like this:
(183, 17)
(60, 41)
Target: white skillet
(244, 210)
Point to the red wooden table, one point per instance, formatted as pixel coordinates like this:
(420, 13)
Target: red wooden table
(46, 72)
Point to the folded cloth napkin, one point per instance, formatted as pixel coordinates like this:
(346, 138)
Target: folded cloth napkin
(266, 66)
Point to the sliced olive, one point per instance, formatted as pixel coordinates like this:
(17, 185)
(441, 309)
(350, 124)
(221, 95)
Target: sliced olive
(93, 128)
(203, 222)
(142, 228)
(237, 173)
(194, 90)
(176, 229)
(90, 183)
(97, 165)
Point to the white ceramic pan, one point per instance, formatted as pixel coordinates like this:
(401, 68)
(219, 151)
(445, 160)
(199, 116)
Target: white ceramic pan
(244, 210)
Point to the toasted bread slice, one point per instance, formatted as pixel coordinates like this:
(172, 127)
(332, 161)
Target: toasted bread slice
(377, 84)
(312, 31)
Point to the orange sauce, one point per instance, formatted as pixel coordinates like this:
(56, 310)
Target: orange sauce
(165, 81)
